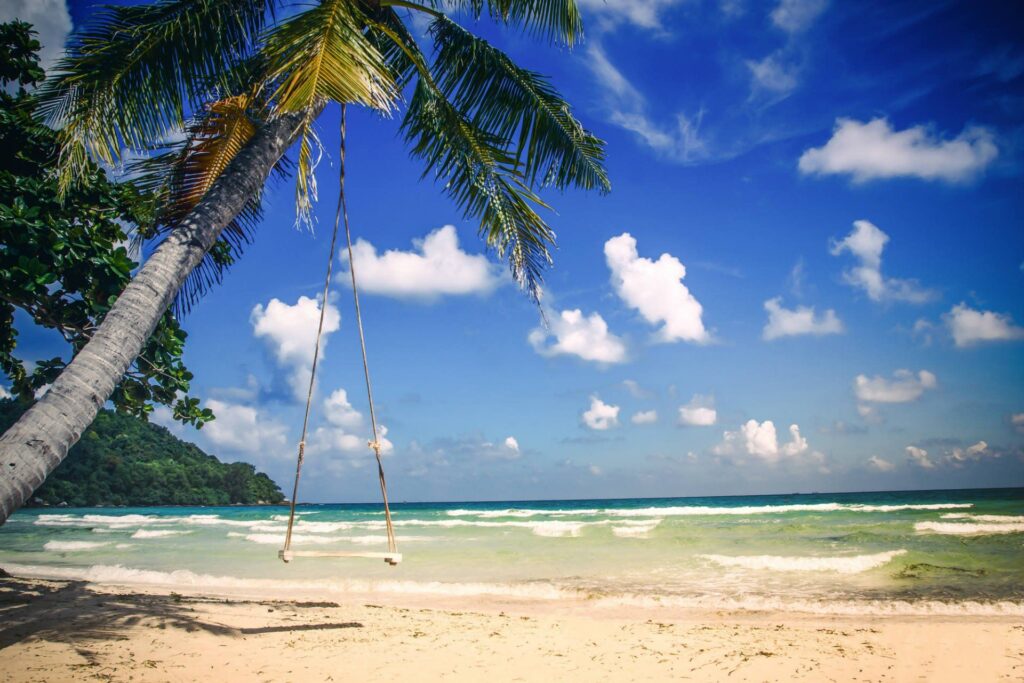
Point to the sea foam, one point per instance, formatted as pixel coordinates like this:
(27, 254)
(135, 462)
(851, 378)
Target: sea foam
(71, 546)
(854, 564)
(969, 529)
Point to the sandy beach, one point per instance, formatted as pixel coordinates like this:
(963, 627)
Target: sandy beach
(58, 630)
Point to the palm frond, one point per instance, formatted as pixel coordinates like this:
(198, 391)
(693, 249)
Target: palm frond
(180, 178)
(320, 55)
(557, 20)
(517, 105)
(477, 172)
(133, 73)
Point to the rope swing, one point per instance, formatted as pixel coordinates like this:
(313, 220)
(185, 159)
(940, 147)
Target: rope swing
(392, 556)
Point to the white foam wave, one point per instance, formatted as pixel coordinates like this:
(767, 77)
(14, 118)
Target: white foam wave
(71, 546)
(278, 539)
(121, 575)
(968, 529)
(994, 519)
(516, 512)
(700, 510)
(844, 565)
(635, 529)
(159, 533)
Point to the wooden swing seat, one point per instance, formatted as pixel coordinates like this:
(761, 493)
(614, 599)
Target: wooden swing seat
(391, 558)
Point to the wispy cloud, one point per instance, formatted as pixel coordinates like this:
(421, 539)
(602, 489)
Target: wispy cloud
(866, 242)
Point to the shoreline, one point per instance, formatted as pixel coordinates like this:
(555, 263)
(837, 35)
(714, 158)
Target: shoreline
(71, 630)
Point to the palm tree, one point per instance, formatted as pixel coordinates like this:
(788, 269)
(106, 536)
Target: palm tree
(246, 79)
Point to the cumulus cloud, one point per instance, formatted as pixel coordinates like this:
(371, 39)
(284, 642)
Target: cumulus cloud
(794, 16)
(865, 243)
(879, 464)
(760, 440)
(4, 393)
(246, 429)
(600, 416)
(868, 151)
(50, 18)
(435, 267)
(586, 337)
(512, 444)
(786, 322)
(904, 387)
(699, 412)
(656, 290)
(339, 412)
(329, 439)
(289, 331)
(919, 457)
(958, 457)
(644, 417)
(970, 327)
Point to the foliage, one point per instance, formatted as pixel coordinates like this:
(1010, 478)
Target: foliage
(65, 263)
(122, 460)
(490, 132)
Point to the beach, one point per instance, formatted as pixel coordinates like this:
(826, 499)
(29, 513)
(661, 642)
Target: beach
(867, 586)
(55, 630)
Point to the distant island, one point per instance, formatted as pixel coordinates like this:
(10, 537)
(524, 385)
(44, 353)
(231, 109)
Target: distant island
(122, 460)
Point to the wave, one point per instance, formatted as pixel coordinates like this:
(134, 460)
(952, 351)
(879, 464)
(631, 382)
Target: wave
(703, 510)
(844, 565)
(995, 519)
(969, 529)
(159, 533)
(636, 530)
(532, 591)
(66, 546)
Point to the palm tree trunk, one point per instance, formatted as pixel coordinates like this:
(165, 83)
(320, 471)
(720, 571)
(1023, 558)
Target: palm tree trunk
(40, 440)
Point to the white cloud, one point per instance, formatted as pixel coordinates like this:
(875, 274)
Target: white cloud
(793, 16)
(865, 243)
(958, 456)
(904, 387)
(640, 13)
(435, 268)
(333, 439)
(656, 290)
(919, 457)
(1017, 422)
(785, 322)
(50, 18)
(868, 151)
(595, 470)
(679, 141)
(759, 439)
(970, 327)
(869, 413)
(600, 416)
(699, 412)
(575, 334)
(4, 393)
(644, 417)
(772, 75)
(876, 463)
(634, 388)
(289, 331)
(512, 444)
(246, 429)
(339, 412)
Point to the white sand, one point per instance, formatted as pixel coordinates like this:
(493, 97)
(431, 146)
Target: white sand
(57, 631)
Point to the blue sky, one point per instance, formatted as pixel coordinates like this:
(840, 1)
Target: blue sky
(807, 277)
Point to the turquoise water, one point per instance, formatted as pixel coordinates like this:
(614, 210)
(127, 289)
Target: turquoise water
(908, 552)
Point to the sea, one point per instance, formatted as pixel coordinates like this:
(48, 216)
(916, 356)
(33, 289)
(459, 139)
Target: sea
(955, 552)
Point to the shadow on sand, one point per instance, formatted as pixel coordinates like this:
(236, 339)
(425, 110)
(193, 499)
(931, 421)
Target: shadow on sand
(68, 612)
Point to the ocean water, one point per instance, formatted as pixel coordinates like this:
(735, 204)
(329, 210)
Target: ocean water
(930, 552)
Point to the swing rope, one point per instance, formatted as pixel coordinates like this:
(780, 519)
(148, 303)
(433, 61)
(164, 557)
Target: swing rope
(340, 214)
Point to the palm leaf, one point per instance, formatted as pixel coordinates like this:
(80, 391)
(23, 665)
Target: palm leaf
(511, 102)
(135, 71)
(179, 179)
(322, 55)
(557, 20)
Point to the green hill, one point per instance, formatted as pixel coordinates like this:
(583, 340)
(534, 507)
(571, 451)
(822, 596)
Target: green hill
(122, 460)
